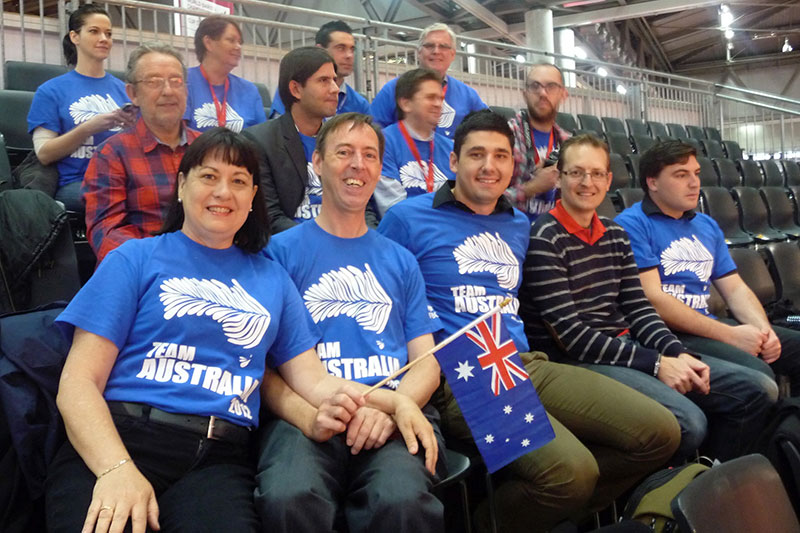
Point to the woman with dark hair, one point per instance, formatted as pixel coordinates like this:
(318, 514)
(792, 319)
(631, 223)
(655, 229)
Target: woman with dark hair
(172, 337)
(217, 97)
(75, 112)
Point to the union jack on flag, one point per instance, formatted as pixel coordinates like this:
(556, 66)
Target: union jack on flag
(492, 388)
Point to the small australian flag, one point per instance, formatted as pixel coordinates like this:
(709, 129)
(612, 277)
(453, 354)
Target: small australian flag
(494, 393)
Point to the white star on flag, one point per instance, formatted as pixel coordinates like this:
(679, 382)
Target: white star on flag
(525, 443)
(464, 370)
(489, 438)
(507, 409)
(528, 418)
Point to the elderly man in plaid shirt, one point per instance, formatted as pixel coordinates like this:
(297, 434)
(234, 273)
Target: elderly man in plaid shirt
(131, 177)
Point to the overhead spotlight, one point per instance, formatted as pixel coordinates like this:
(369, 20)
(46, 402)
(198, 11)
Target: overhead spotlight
(520, 58)
(621, 89)
(579, 53)
(786, 46)
(602, 72)
(725, 17)
(729, 34)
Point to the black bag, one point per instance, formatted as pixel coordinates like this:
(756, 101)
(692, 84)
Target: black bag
(780, 443)
(32, 174)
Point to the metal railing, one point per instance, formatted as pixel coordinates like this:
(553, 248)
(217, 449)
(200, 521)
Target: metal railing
(763, 124)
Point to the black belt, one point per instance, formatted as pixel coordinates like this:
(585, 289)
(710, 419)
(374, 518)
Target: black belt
(211, 427)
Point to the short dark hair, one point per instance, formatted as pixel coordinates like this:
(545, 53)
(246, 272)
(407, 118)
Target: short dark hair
(299, 65)
(660, 155)
(483, 120)
(408, 85)
(584, 139)
(323, 37)
(76, 21)
(356, 119)
(212, 26)
(234, 149)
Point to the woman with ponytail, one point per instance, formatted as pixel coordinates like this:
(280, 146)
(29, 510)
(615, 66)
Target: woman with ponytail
(75, 112)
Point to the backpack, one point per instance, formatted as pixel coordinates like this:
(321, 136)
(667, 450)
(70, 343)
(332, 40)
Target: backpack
(780, 443)
(650, 503)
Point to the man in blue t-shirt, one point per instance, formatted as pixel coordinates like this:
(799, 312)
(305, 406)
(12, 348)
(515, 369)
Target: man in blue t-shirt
(336, 37)
(680, 254)
(470, 244)
(367, 296)
(437, 50)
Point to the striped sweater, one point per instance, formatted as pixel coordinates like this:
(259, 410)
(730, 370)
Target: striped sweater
(586, 296)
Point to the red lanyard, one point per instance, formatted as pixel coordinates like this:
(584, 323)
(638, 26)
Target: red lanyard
(413, 147)
(536, 151)
(222, 109)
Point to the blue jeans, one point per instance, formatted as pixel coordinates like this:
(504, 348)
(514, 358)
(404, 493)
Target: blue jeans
(728, 418)
(70, 195)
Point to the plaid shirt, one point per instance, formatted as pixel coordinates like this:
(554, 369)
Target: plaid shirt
(128, 186)
(524, 165)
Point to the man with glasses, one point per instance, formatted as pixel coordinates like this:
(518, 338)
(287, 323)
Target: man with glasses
(131, 177)
(437, 50)
(536, 135)
(582, 303)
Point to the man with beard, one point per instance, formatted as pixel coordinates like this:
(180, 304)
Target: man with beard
(536, 134)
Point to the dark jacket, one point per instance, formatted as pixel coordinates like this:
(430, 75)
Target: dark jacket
(284, 170)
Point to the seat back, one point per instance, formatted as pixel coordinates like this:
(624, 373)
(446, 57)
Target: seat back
(657, 129)
(677, 131)
(708, 177)
(613, 125)
(754, 272)
(618, 143)
(606, 208)
(695, 144)
(619, 173)
(263, 91)
(754, 214)
(628, 197)
(728, 173)
(505, 112)
(733, 150)
(637, 127)
(742, 495)
(24, 76)
(780, 210)
(14, 107)
(772, 174)
(792, 172)
(712, 148)
(591, 123)
(784, 264)
(695, 132)
(633, 167)
(751, 173)
(719, 205)
(642, 142)
(714, 134)
(566, 121)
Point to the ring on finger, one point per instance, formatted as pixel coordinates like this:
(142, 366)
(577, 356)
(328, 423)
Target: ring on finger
(106, 507)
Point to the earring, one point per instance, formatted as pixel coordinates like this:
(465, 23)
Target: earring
(251, 209)
(180, 200)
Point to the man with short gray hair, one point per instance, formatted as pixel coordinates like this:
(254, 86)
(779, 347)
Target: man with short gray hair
(131, 177)
(436, 51)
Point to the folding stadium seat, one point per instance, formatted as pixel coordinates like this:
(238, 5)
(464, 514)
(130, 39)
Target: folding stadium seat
(580, 131)
(23, 76)
(751, 267)
(119, 74)
(628, 197)
(712, 148)
(708, 177)
(607, 209)
(751, 173)
(792, 172)
(613, 125)
(784, 264)
(618, 143)
(713, 134)
(637, 127)
(772, 174)
(755, 219)
(780, 210)
(591, 122)
(677, 131)
(733, 150)
(728, 173)
(695, 132)
(642, 142)
(14, 107)
(695, 144)
(566, 121)
(719, 205)
(657, 129)
(506, 112)
(266, 99)
(620, 178)
(633, 167)
(794, 196)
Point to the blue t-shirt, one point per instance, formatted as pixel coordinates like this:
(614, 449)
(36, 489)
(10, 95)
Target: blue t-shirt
(349, 101)
(399, 162)
(71, 99)
(243, 108)
(470, 262)
(312, 197)
(690, 252)
(194, 325)
(459, 101)
(366, 295)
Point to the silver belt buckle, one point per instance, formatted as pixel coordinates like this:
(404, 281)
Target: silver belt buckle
(212, 420)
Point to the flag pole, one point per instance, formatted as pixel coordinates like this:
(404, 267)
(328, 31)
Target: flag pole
(439, 346)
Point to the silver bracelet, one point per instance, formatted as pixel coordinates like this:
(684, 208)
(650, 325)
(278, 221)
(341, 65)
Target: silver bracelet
(114, 467)
(657, 366)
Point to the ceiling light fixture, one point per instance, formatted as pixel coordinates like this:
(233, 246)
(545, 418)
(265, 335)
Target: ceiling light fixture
(579, 53)
(602, 72)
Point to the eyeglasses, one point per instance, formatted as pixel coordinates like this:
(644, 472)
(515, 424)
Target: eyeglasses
(578, 174)
(535, 86)
(157, 82)
(430, 47)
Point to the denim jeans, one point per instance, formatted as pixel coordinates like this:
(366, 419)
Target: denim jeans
(727, 419)
(70, 195)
